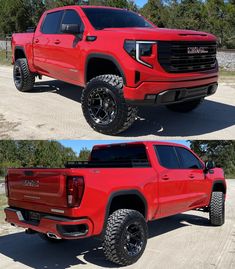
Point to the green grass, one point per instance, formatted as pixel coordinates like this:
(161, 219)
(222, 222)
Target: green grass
(3, 203)
(3, 60)
(225, 73)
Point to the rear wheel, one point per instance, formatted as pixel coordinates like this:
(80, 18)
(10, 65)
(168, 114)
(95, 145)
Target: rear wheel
(104, 106)
(185, 107)
(46, 238)
(125, 237)
(217, 208)
(24, 79)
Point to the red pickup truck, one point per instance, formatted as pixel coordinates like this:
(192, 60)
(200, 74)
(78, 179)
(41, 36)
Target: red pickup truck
(114, 195)
(120, 59)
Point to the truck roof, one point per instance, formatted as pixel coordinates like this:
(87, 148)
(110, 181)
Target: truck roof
(80, 7)
(147, 143)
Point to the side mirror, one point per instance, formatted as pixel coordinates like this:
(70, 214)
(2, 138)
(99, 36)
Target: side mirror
(210, 165)
(73, 29)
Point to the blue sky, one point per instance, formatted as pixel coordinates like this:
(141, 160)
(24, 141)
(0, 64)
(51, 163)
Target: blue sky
(140, 2)
(77, 145)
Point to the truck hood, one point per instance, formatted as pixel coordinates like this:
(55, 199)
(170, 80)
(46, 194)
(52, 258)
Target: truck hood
(162, 34)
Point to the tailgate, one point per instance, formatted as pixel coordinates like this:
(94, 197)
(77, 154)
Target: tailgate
(38, 186)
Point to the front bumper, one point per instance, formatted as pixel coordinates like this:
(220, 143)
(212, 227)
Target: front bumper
(62, 227)
(163, 93)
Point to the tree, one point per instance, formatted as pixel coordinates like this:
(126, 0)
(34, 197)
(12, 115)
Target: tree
(84, 154)
(220, 151)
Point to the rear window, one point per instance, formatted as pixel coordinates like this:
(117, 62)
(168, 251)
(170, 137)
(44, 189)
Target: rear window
(120, 153)
(52, 22)
(167, 157)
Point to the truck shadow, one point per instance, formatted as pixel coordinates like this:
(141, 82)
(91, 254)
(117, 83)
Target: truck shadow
(211, 116)
(30, 250)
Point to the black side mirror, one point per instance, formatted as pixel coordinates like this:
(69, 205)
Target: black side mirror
(73, 29)
(209, 165)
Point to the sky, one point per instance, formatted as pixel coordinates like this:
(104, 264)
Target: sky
(140, 3)
(77, 145)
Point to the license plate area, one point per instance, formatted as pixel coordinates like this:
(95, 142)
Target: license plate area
(34, 216)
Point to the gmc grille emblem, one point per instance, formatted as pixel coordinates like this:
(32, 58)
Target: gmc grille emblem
(31, 183)
(197, 50)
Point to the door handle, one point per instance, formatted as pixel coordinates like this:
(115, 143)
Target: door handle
(191, 176)
(36, 41)
(57, 42)
(165, 177)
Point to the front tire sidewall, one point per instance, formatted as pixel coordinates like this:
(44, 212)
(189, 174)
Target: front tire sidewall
(125, 114)
(217, 209)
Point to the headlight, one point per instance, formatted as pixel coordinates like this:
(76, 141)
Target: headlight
(138, 49)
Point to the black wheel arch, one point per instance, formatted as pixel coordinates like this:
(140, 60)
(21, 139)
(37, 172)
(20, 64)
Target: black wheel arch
(121, 194)
(219, 185)
(19, 53)
(106, 57)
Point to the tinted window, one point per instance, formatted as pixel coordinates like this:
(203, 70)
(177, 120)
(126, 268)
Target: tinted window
(102, 18)
(52, 22)
(167, 156)
(71, 17)
(120, 153)
(187, 159)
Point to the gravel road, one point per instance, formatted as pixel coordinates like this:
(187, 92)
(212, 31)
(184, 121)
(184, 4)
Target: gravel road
(53, 111)
(182, 241)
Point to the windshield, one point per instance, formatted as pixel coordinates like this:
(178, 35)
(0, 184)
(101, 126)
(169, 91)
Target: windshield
(102, 18)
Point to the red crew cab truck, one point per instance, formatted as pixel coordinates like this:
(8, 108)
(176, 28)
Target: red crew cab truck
(120, 59)
(114, 195)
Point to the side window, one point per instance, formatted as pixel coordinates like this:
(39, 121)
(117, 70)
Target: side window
(187, 159)
(52, 22)
(167, 156)
(72, 17)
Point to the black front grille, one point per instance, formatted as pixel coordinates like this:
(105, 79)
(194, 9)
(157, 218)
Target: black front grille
(186, 56)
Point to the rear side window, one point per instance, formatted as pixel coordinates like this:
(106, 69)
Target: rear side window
(167, 156)
(187, 159)
(52, 22)
(72, 17)
(120, 153)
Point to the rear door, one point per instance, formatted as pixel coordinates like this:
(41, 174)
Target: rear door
(41, 186)
(172, 191)
(198, 183)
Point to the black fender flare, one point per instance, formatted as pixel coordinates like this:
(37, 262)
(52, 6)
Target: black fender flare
(106, 57)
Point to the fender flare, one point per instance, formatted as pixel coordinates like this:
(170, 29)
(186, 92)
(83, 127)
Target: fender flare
(105, 57)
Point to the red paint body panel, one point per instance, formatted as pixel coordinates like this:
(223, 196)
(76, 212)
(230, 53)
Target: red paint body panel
(180, 192)
(65, 62)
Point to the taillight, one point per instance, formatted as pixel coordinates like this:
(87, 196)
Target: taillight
(75, 189)
(6, 186)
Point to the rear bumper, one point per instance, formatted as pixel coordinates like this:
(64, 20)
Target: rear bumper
(161, 93)
(62, 227)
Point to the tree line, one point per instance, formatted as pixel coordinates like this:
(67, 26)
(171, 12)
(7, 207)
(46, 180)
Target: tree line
(54, 154)
(37, 154)
(214, 16)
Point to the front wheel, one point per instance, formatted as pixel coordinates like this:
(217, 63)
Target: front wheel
(125, 237)
(104, 106)
(217, 208)
(185, 107)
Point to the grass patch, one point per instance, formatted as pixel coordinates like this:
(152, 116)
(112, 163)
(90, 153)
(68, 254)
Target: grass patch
(3, 60)
(226, 73)
(3, 204)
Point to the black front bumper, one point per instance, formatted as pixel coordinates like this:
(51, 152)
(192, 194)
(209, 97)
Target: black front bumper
(174, 96)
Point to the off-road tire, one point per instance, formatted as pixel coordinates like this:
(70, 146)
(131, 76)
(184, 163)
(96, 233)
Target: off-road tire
(50, 240)
(27, 80)
(217, 209)
(114, 237)
(126, 114)
(185, 107)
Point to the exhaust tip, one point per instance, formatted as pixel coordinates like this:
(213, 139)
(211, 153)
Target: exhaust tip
(53, 236)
